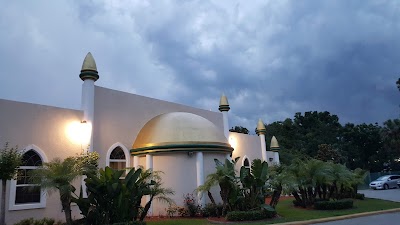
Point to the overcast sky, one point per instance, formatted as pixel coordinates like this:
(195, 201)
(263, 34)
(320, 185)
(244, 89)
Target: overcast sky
(270, 58)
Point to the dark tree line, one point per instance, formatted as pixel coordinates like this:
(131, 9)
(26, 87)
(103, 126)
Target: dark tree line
(319, 135)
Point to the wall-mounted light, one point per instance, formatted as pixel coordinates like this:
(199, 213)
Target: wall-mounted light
(233, 142)
(79, 132)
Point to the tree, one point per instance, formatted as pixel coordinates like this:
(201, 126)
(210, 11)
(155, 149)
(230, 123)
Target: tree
(58, 175)
(239, 129)
(328, 153)
(10, 160)
(362, 146)
(391, 142)
(225, 177)
(398, 84)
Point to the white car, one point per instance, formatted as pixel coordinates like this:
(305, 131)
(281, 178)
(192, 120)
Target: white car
(385, 182)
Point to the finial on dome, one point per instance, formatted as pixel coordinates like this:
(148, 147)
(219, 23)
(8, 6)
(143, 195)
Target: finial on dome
(274, 144)
(261, 128)
(89, 68)
(223, 104)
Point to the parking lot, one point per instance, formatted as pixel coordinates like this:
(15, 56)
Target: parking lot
(391, 194)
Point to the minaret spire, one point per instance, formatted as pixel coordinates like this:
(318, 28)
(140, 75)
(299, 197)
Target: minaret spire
(261, 131)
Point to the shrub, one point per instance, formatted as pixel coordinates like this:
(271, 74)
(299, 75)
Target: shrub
(360, 196)
(331, 205)
(190, 204)
(211, 210)
(31, 221)
(249, 215)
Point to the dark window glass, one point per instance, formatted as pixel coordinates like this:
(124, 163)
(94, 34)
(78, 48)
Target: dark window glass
(26, 191)
(31, 158)
(246, 163)
(117, 153)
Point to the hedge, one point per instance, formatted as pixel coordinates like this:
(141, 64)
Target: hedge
(249, 215)
(331, 205)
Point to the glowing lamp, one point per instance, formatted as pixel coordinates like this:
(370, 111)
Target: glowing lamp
(79, 132)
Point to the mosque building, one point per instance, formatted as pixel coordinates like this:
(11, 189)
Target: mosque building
(127, 130)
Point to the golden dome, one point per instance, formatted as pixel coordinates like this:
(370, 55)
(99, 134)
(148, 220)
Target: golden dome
(89, 63)
(261, 127)
(274, 144)
(179, 131)
(89, 69)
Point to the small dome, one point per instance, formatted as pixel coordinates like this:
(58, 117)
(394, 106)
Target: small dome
(274, 144)
(261, 127)
(179, 131)
(89, 69)
(89, 63)
(223, 104)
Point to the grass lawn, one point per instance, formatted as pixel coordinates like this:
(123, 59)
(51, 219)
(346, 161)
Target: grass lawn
(289, 213)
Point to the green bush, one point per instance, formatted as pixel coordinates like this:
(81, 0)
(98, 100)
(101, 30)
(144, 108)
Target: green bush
(211, 210)
(332, 205)
(249, 215)
(31, 221)
(360, 196)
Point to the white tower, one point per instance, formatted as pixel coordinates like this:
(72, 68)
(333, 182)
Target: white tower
(274, 147)
(89, 75)
(224, 108)
(261, 131)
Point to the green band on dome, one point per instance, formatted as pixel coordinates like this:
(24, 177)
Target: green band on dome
(182, 148)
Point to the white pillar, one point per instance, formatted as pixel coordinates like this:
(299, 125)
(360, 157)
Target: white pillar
(88, 107)
(276, 158)
(200, 177)
(149, 165)
(226, 124)
(136, 162)
(263, 147)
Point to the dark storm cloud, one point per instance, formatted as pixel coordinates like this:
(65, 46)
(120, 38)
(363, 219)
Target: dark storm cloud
(271, 58)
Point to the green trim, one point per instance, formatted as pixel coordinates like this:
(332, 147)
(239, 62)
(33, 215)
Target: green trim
(261, 131)
(89, 74)
(182, 148)
(224, 108)
(275, 149)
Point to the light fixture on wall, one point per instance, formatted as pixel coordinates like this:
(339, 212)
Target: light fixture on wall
(79, 132)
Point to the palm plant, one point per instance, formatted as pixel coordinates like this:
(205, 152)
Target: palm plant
(253, 182)
(225, 177)
(308, 176)
(58, 175)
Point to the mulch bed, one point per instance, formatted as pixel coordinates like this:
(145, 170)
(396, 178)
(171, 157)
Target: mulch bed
(215, 220)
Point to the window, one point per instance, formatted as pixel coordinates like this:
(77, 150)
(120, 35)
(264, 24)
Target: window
(117, 159)
(246, 162)
(23, 193)
(26, 191)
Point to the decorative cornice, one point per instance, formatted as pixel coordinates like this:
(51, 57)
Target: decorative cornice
(169, 148)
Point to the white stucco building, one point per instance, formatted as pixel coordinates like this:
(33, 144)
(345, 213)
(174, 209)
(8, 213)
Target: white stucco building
(127, 130)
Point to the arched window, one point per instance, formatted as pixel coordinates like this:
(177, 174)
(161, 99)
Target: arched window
(246, 162)
(24, 194)
(118, 159)
(26, 191)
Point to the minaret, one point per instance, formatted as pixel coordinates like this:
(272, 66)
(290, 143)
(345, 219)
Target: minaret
(89, 75)
(224, 108)
(274, 147)
(261, 131)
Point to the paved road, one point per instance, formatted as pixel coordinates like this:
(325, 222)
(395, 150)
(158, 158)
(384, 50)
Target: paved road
(391, 194)
(381, 219)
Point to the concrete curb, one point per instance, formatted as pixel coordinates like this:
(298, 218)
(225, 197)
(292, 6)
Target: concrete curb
(328, 219)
